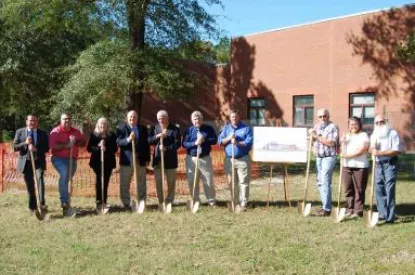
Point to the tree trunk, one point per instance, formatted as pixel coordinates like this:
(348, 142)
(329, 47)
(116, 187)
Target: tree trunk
(136, 12)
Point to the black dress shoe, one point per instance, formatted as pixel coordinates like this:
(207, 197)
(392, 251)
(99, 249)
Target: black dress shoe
(323, 213)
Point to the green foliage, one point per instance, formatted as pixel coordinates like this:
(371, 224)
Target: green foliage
(37, 40)
(406, 51)
(78, 56)
(97, 83)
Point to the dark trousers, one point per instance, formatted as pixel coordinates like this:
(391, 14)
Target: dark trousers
(98, 189)
(355, 182)
(30, 185)
(385, 178)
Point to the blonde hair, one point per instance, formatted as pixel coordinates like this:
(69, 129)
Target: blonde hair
(99, 121)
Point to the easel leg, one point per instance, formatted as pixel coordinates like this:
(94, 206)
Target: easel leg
(286, 187)
(269, 186)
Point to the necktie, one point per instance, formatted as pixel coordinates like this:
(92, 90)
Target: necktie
(32, 136)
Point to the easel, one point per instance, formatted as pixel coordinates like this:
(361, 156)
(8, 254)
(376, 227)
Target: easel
(284, 173)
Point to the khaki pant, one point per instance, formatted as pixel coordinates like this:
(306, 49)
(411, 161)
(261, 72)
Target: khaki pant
(126, 172)
(242, 178)
(170, 175)
(205, 172)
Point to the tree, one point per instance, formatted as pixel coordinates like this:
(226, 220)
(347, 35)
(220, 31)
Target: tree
(38, 39)
(162, 35)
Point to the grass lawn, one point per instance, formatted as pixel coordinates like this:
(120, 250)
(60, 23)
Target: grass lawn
(213, 241)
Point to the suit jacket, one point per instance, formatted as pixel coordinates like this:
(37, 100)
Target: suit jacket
(142, 146)
(42, 146)
(109, 154)
(172, 143)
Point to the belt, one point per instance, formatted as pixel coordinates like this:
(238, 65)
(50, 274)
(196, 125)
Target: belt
(389, 160)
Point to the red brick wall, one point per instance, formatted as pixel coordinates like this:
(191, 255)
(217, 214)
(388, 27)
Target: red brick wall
(328, 59)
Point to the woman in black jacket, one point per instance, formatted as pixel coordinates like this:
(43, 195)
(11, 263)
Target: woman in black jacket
(102, 138)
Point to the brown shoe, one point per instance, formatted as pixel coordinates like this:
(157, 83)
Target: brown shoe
(323, 213)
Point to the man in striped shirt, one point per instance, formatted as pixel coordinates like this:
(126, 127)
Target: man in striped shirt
(325, 135)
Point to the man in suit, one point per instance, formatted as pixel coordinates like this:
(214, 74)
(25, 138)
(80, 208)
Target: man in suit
(171, 143)
(32, 139)
(127, 132)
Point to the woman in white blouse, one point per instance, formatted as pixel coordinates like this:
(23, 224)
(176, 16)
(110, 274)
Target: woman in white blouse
(355, 144)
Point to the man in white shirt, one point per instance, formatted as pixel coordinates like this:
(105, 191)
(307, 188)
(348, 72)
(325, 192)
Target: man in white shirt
(385, 146)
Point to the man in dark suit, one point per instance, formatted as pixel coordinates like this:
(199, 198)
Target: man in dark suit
(36, 140)
(171, 143)
(125, 134)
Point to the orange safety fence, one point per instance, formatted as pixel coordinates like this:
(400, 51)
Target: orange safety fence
(84, 179)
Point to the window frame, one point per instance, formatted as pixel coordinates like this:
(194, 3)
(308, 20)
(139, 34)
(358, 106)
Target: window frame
(305, 107)
(351, 106)
(257, 109)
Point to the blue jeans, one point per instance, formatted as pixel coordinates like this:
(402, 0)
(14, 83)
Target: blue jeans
(62, 166)
(325, 167)
(385, 179)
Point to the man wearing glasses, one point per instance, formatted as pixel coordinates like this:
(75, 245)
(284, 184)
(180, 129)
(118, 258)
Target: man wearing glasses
(62, 140)
(385, 146)
(325, 135)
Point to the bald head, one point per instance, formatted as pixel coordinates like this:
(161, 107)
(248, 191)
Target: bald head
(132, 118)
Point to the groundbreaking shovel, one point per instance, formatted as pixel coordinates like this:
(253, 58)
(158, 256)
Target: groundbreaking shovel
(371, 217)
(231, 204)
(304, 208)
(339, 213)
(193, 206)
(103, 209)
(134, 205)
(39, 212)
(163, 207)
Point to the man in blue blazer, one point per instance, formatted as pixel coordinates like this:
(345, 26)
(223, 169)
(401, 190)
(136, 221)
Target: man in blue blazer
(125, 134)
(36, 140)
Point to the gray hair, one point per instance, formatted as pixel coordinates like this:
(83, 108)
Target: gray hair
(196, 114)
(326, 112)
(162, 113)
(103, 120)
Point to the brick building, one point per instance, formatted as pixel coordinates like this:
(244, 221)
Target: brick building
(347, 64)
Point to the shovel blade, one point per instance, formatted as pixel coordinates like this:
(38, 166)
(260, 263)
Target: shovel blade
(339, 214)
(134, 206)
(231, 206)
(300, 207)
(371, 218)
(168, 208)
(141, 206)
(238, 209)
(189, 205)
(162, 207)
(39, 215)
(307, 210)
(195, 207)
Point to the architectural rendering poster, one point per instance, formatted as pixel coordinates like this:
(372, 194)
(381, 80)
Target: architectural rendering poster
(280, 144)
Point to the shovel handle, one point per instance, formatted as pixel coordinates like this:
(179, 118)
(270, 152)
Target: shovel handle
(102, 177)
(162, 169)
(310, 144)
(32, 161)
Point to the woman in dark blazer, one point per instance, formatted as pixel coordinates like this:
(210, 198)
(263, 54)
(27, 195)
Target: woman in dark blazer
(102, 137)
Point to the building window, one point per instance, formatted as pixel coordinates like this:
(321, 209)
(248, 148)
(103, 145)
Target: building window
(303, 110)
(256, 111)
(363, 102)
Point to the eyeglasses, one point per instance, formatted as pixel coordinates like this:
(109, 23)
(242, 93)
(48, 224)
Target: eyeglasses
(380, 122)
(323, 116)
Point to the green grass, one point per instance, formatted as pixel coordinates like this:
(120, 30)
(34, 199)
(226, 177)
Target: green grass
(214, 241)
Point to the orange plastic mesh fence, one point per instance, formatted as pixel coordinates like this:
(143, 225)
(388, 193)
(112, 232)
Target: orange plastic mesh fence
(84, 179)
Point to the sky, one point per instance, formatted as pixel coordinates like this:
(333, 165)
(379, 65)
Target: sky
(243, 17)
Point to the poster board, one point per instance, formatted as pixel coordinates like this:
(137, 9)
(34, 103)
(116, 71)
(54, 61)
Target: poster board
(280, 144)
